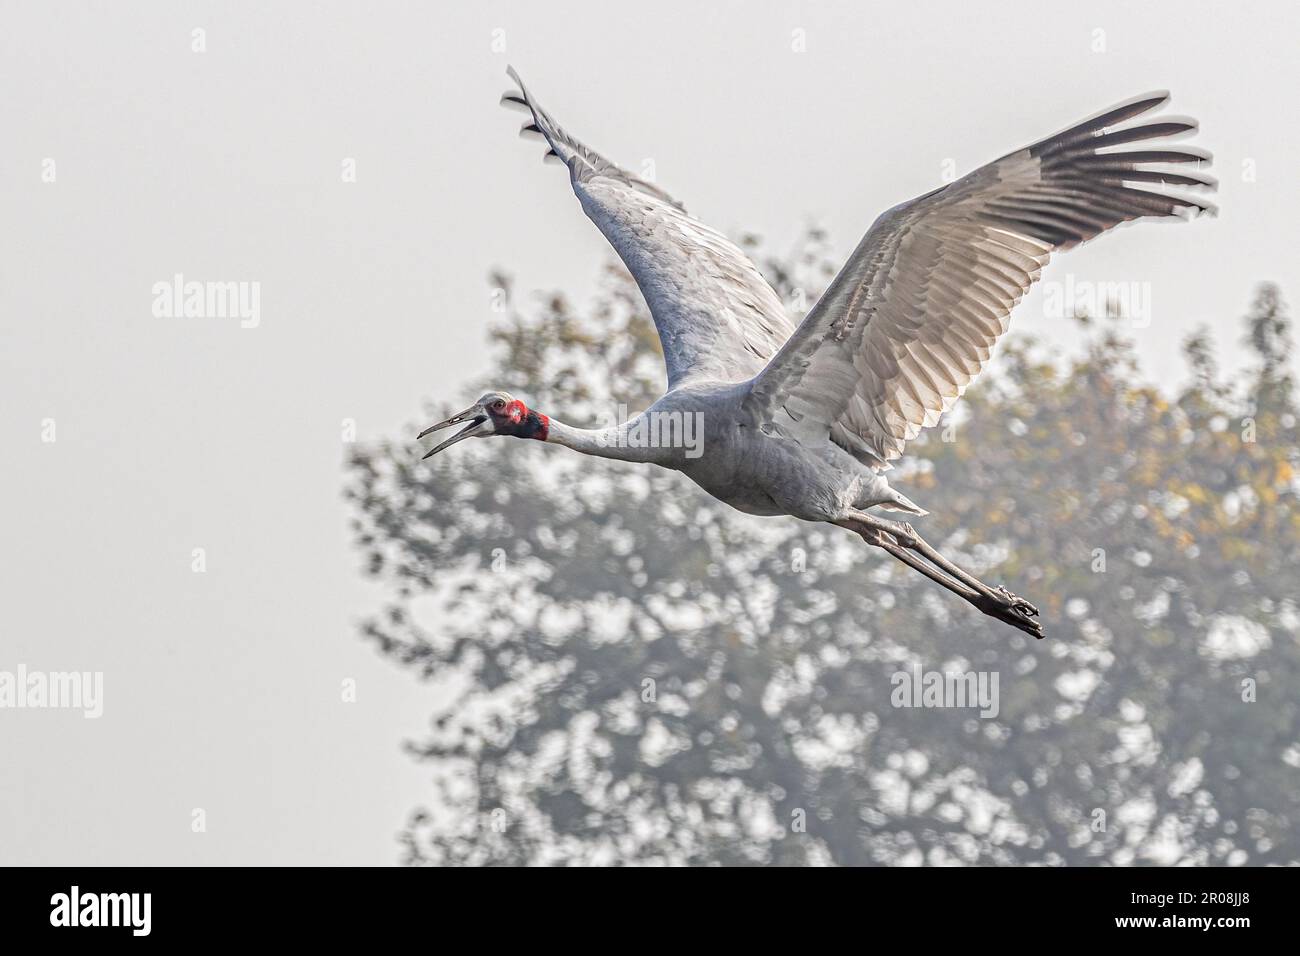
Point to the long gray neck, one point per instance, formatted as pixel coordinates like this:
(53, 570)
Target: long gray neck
(617, 442)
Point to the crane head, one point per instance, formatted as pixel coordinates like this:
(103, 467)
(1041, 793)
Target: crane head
(495, 413)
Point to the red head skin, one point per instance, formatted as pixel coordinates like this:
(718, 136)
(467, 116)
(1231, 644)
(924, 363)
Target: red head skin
(519, 420)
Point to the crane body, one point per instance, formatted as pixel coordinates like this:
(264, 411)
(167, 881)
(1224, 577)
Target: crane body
(805, 421)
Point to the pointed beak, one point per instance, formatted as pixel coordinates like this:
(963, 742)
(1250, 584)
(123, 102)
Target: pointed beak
(474, 415)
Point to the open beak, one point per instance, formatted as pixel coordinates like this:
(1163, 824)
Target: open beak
(474, 415)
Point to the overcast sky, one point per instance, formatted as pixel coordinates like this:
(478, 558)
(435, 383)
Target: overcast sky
(129, 157)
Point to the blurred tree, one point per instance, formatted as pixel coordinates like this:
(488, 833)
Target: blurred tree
(1268, 333)
(629, 672)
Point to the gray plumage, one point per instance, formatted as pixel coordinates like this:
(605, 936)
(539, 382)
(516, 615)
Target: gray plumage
(805, 421)
(913, 316)
(717, 317)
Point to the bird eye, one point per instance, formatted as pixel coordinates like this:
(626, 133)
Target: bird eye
(499, 404)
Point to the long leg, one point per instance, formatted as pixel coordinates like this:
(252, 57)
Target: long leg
(906, 536)
(902, 541)
(887, 542)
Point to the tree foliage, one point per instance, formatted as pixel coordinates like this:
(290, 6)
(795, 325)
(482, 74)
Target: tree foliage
(629, 672)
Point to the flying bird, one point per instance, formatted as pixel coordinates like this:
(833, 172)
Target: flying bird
(805, 420)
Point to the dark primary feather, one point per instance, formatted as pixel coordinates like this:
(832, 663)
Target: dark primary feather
(584, 162)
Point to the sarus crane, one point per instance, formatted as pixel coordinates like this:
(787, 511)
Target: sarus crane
(805, 420)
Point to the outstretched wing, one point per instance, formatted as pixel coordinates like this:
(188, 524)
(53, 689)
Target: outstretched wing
(911, 319)
(716, 315)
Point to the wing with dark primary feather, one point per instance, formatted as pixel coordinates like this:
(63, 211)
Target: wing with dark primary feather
(913, 316)
(717, 317)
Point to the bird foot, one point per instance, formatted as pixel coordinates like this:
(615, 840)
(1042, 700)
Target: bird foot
(1014, 610)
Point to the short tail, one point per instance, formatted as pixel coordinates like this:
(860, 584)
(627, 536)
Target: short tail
(900, 502)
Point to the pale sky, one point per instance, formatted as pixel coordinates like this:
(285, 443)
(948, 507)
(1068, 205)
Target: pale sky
(222, 688)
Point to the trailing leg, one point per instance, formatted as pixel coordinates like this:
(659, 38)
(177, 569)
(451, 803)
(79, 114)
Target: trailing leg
(902, 541)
